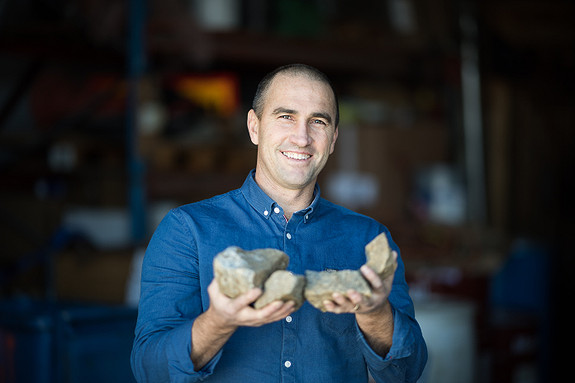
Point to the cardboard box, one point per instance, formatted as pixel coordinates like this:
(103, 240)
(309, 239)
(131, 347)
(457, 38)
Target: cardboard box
(93, 276)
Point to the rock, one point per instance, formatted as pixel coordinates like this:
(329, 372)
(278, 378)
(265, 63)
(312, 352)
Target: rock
(321, 285)
(379, 256)
(284, 286)
(238, 271)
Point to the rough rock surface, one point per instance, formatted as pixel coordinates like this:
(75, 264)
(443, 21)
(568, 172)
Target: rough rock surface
(238, 271)
(284, 286)
(379, 256)
(321, 285)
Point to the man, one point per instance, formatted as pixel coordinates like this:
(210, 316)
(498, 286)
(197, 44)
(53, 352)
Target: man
(189, 331)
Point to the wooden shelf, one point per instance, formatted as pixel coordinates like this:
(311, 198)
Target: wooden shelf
(188, 187)
(381, 54)
(372, 57)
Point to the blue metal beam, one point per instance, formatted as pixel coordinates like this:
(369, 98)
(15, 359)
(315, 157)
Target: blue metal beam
(136, 66)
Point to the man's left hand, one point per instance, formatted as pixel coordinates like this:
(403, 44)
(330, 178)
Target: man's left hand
(354, 302)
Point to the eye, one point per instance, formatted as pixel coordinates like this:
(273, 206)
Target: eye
(285, 117)
(318, 122)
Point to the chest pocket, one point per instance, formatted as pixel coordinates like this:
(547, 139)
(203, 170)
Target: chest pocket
(338, 324)
(334, 256)
(342, 261)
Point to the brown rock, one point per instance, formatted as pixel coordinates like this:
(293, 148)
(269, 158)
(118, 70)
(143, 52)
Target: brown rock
(238, 271)
(321, 285)
(284, 286)
(379, 256)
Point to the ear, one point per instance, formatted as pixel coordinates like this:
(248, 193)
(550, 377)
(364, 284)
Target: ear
(253, 126)
(334, 139)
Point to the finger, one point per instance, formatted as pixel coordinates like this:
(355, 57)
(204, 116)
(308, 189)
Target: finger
(372, 277)
(340, 299)
(339, 304)
(270, 309)
(355, 297)
(278, 309)
(283, 311)
(246, 298)
(330, 306)
(273, 312)
(288, 307)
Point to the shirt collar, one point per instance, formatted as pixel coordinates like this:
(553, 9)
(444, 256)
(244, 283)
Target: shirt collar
(264, 205)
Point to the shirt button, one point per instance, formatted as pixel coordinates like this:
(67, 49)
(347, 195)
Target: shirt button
(266, 212)
(288, 235)
(287, 364)
(276, 210)
(289, 319)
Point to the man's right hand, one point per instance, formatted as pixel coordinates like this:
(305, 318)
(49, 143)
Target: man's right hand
(212, 329)
(231, 313)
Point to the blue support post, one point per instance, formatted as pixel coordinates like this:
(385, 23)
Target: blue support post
(136, 62)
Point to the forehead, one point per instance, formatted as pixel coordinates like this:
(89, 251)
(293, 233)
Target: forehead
(287, 90)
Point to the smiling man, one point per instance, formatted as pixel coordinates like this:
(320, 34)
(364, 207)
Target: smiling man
(295, 130)
(188, 331)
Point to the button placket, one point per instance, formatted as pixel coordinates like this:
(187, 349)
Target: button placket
(290, 325)
(289, 348)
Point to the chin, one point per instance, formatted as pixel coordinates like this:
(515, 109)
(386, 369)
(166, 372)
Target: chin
(299, 182)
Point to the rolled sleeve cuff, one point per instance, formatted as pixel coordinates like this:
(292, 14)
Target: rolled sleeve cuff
(402, 345)
(181, 367)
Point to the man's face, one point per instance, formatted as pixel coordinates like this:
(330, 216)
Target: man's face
(295, 134)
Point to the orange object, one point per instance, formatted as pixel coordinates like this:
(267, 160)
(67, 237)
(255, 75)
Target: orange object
(214, 92)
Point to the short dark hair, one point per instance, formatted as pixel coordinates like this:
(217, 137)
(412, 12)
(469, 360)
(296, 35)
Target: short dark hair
(292, 69)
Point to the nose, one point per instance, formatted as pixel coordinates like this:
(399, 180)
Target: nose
(300, 134)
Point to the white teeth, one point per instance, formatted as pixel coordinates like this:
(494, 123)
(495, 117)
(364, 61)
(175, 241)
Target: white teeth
(296, 156)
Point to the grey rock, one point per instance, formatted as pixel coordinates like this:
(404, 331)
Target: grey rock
(238, 271)
(321, 285)
(284, 286)
(379, 257)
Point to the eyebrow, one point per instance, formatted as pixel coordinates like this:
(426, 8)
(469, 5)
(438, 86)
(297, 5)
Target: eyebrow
(282, 110)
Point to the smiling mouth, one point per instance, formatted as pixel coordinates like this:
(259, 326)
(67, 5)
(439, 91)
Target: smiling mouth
(296, 156)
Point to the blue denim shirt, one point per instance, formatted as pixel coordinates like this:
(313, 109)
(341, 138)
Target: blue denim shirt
(307, 346)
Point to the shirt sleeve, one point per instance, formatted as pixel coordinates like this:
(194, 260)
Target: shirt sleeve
(170, 300)
(407, 357)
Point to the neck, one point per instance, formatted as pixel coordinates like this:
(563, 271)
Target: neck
(291, 200)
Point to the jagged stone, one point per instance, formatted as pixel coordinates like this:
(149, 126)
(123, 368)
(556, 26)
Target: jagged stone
(321, 285)
(238, 271)
(379, 257)
(284, 286)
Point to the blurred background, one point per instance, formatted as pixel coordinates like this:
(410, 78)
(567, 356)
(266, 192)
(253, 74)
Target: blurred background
(457, 123)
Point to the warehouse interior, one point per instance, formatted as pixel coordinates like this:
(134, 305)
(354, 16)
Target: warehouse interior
(456, 133)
